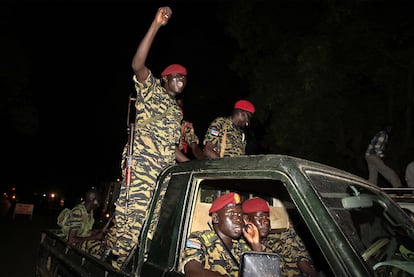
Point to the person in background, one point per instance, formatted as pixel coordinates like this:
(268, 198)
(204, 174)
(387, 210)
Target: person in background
(409, 174)
(157, 134)
(225, 135)
(217, 252)
(295, 259)
(188, 139)
(77, 227)
(375, 153)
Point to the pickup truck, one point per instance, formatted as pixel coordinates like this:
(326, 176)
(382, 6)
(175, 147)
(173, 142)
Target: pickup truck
(350, 227)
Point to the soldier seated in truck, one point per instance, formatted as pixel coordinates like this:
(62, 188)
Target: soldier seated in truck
(218, 251)
(76, 224)
(296, 260)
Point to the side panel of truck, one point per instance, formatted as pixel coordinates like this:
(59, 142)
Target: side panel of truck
(323, 204)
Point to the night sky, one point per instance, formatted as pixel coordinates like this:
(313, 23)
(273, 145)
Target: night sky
(72, 60)
(66, 73)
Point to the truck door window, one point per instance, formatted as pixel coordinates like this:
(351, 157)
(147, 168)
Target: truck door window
(284, 213)
(377, 228)
(158, 244)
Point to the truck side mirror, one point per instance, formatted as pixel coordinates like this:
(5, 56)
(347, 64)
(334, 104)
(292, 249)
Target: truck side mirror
(253, 264)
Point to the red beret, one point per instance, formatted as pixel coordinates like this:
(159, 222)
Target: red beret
(255, 204)
(245, 105)
(224, 200)
(174, 68)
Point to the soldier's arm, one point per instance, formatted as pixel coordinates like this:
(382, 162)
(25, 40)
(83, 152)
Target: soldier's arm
(251, 234)
(306, 267)
(180, 157)
(212, 138)
(197, 152)
(73, 238)
(192, 140)
(138, 62)
(193, 258)
(299, 250)
(194, 268)
(209, 150)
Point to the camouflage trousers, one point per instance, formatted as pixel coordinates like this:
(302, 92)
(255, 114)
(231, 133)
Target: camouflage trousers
(129, 219)
(93, 247)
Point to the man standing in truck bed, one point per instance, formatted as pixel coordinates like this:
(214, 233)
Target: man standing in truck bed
(157, 126)
(225, 135)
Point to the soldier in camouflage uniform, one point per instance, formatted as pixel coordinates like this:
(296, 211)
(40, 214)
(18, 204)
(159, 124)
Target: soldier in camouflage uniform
(219, 250)
(295, 259)
(78, 227)
(157, 125)
(225, 135)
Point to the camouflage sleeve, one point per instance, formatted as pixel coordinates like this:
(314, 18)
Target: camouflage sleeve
(286, 246)
(213, 133)
(75, 219)
(296, 247)
(144, 89)
(189, 134)
(244, 246)
(194, 250)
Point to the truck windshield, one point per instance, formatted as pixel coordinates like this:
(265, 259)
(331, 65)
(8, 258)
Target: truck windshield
(381, 233)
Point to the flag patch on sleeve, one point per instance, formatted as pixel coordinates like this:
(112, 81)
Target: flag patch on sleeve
(193, 244)
(214, 132)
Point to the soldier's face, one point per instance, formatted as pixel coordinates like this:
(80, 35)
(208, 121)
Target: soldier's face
(93, 200)
(176, 83)
(230, 221)
(96, 203)
(243, 119)
(262, 221)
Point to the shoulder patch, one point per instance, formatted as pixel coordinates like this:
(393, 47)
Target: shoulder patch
(214, 132)
(193, 244)
(208, 237)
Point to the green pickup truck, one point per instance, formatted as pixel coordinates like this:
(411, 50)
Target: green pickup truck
(350, 228)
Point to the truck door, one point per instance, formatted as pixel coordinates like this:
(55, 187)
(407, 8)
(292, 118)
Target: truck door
(161, 239)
